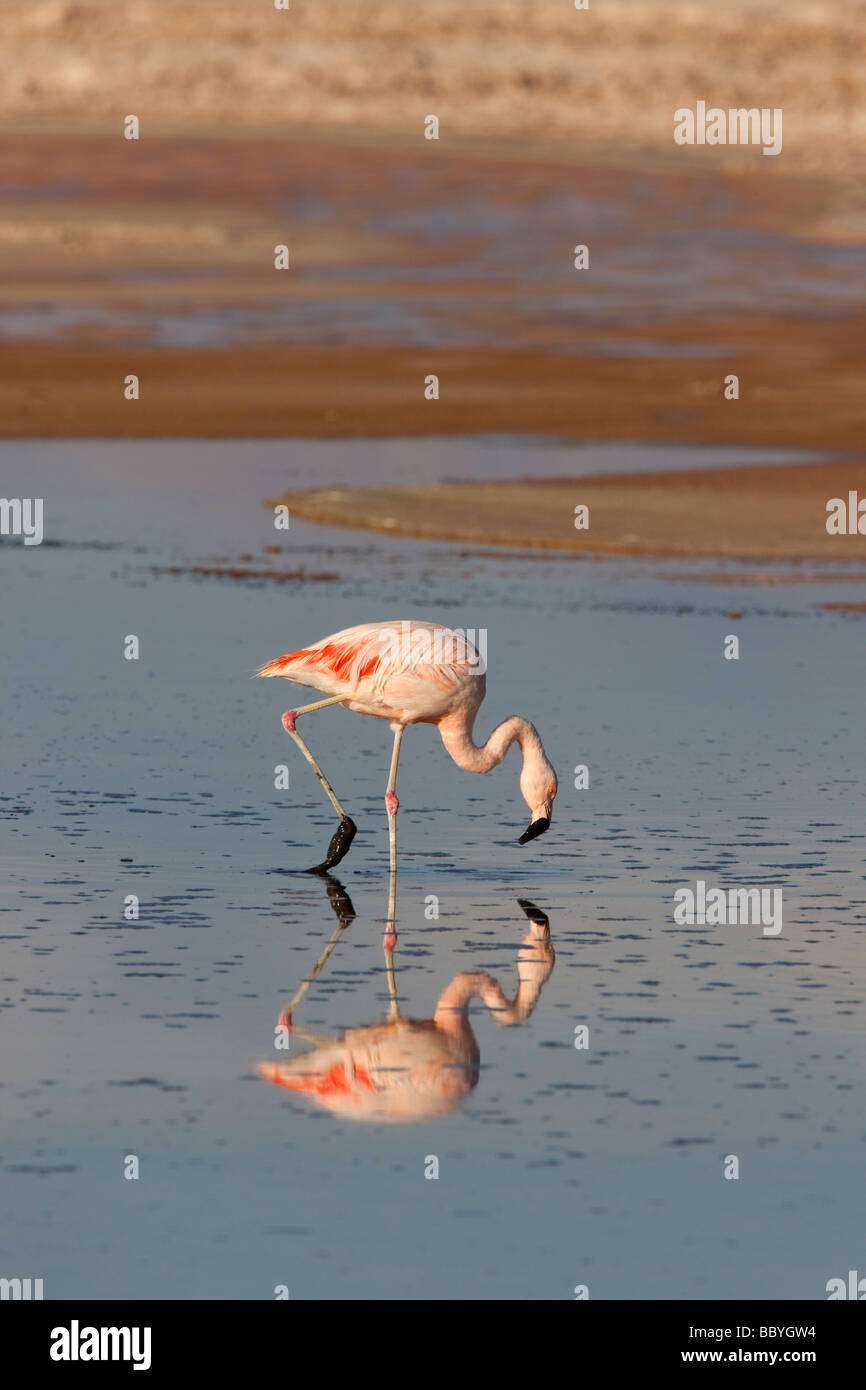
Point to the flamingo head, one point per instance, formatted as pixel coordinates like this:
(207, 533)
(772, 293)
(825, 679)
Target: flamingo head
(538, 786)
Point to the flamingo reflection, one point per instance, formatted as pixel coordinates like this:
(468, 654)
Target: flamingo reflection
(408, 1069)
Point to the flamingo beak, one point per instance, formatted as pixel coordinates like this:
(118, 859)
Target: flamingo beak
(535, 828)
(535, 915)
(539, 823)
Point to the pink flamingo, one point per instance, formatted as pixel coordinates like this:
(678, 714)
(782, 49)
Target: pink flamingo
(409, 1069)
(412, 672)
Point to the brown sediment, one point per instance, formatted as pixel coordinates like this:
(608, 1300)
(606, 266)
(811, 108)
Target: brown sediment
(242, 572)
(768, 512)
(113, 236)
(306, 128)
(803, 392)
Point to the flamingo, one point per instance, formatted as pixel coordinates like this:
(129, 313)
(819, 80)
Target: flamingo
(405, 1069)
(412, 672)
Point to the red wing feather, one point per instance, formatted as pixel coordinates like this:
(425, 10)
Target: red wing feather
(333, 659)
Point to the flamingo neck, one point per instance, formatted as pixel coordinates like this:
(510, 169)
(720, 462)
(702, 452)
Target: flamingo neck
(452, 1009)
(456, 732)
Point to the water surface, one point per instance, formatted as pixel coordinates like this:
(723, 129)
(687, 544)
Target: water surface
(558, 1166)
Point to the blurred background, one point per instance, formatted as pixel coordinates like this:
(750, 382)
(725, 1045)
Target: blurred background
(306, 127)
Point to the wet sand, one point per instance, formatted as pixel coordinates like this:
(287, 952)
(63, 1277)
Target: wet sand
(453, 257)
(157, 259)
(776, 512)
(799, 392)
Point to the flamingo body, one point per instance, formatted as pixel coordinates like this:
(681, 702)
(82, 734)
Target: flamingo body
(408, 672)
(413, 672)
(414, 1069)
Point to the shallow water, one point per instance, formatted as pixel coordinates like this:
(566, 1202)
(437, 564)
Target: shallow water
(559, 1166)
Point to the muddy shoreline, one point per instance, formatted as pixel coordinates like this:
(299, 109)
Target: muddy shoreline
(758, 513)
(797, 392)
(157, 259)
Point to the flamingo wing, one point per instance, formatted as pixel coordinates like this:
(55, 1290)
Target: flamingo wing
(361, 661)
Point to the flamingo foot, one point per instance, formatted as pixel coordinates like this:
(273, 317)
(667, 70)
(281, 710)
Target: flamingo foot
(391, 803)
(339, 847)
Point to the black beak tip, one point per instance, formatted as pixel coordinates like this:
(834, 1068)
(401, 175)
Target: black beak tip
(534, 913)
(537, 828)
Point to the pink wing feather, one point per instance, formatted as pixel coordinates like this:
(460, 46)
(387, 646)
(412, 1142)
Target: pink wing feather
(360, 660)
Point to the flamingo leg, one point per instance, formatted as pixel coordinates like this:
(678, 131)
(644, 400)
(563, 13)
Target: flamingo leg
(345, 832)
(392, 805)
(393, 1000)
(319, 704)
(300, 993)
